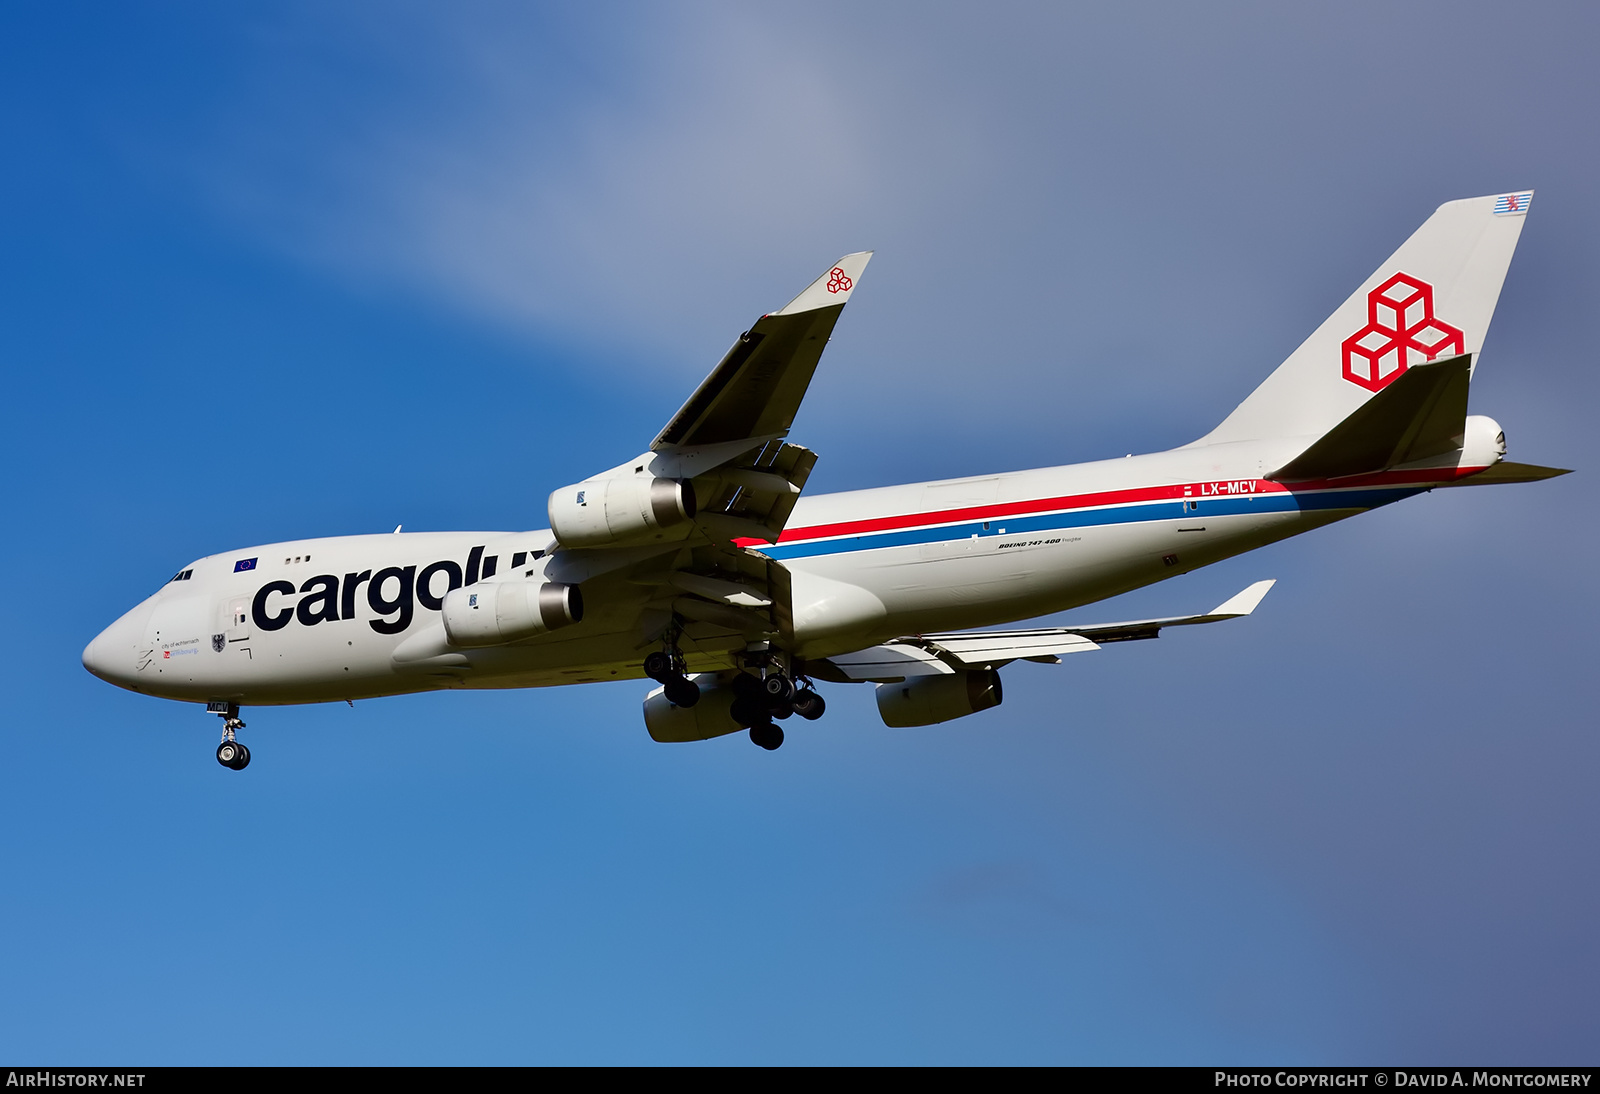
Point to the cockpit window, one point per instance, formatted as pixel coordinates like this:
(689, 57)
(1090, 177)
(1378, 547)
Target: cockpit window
(182, 575)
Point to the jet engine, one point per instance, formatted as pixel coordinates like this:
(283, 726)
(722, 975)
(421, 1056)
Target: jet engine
(606, 512)
(928, 700)
(711, 717)
(495, 612)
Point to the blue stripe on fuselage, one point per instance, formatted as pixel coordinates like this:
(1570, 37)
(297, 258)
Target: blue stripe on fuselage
(1142, 512)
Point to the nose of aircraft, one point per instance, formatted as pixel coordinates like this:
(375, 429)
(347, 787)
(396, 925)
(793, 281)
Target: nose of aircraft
(112, 655)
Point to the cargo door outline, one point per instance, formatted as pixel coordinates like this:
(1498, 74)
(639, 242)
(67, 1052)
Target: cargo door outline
(236, 624)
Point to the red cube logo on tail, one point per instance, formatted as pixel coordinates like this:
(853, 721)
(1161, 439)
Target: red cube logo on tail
(1401, 331)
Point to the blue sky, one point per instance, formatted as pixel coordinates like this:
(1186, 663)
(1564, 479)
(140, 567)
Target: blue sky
(295, 272)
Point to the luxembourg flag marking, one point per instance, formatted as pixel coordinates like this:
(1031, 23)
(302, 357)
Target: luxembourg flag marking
(1512, 205)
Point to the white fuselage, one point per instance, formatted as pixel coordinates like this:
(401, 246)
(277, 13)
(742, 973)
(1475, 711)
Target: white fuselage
(1381, 383)
(358, 616)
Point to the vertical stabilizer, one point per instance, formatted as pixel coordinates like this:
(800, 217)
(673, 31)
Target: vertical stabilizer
(1432, 299)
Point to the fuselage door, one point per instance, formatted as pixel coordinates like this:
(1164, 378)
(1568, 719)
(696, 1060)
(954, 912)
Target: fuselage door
(236, 621)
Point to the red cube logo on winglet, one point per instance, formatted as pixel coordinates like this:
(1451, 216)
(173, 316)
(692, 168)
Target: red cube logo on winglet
(1401, 331)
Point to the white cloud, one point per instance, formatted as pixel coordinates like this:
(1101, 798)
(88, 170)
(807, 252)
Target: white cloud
(709, 159)
(1080, 219)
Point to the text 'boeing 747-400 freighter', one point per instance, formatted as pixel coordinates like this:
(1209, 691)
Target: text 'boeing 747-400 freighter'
(702, 564)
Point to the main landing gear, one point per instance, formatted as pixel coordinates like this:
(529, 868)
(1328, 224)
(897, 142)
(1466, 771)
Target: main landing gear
(230, 753)
(764, 692)
(665, 667)
(767, 735)
(773, 695)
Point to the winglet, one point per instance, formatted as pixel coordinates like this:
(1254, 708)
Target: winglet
(1243, 603)
(831, 288)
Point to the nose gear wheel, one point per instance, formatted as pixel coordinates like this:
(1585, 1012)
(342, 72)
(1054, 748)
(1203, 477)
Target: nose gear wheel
(230, 753)
(234, 755)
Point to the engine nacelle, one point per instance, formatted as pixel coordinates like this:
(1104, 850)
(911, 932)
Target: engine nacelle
(493, 613)
(604, 512)
(928, 700)
(710, 717)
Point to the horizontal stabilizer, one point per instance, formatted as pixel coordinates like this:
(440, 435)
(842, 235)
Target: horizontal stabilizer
(1512, 472)
(1423, 413)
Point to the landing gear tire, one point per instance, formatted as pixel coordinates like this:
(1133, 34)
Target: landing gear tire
(749, 706)
(658, 666)
(681, 692)
(809, 705)
(778, 688)
(234, 755)
(767, 735)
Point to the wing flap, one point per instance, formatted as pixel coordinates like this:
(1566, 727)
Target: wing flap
(728, 589)
(938, 654)
(751, 500)
(987, 647)
(1235, 607)
(982, 650)
(890, 661)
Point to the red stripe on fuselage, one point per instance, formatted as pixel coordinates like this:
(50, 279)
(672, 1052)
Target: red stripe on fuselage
(1191, 491)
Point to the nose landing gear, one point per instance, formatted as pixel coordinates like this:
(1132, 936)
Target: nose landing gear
(230, 753)
(233, 754)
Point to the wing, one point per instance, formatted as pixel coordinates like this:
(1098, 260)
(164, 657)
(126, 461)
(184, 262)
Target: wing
(721, 468)
(934, 654)
(1235, 607)
(736, 480)
(756, 389)
(729, 435)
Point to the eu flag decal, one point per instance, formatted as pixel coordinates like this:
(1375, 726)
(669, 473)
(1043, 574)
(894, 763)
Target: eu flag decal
(244, 564)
